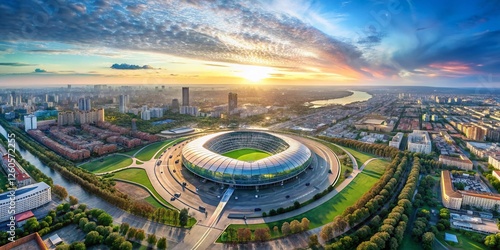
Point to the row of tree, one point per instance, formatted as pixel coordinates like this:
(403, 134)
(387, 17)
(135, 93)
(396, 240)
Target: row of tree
(393, 227)
(241, 235)
(376, 149)
(370, 202)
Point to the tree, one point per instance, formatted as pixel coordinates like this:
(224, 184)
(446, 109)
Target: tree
(124, 228)
(183, 217)
(491, 241)
(262, 234)
(140, 235)
(66, 207)
(326, 232)
(92, 238)
(48, 219)
(339, 224)
(104, 219)
(285, 228)
(104, 231)
(126, 246)
(305, 224)
(313, 241)
(60, 192)
(63, 247)
(427, 240)
(244, 234)
(82, 207)
(162, 243)
(112, 237)
(276, 229)
(151, 239)
(78, 246)
(73, 200)
(32, 225)
(89, 227)
(367, 245)
(131, 233)
(295, 226)
(118, 242)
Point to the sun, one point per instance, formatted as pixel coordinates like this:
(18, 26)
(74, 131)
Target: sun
(254, 74)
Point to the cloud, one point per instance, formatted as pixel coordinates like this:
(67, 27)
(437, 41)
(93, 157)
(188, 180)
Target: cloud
(40, 71)
(125, 66)
(216, 31)
(17, 64)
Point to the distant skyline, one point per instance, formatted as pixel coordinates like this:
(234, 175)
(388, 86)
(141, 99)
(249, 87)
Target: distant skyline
(401, 43)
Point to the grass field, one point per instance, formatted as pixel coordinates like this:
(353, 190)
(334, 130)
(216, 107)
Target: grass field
(149, 151)
(335, 206)
(151, 200)
(138, 176)
(247, 154)
(107, 164)
(360, 156)
(463, 242)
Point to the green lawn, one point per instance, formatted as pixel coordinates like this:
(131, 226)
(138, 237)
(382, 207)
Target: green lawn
(108, 163)
(247, 154)
(151, 200)
(335, 206)
(139, 176)
(360, 157)
(133, 151)
(463, 242)
(151, 150)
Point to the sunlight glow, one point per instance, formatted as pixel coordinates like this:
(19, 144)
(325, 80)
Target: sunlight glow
(254, 74)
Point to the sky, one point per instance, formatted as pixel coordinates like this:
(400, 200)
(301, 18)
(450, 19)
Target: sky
(396, 42)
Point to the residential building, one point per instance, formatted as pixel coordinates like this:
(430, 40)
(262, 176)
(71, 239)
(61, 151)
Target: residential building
(30, 122)
(190, 110)
(455, 199)
(10, 165)
(494, 160)
(25, 198)
(396, 140)
(84, 104)
(461, 162)
(419, 142)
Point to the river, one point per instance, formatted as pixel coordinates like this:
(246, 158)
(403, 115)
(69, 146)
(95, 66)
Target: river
(357, 96)
(72, 188)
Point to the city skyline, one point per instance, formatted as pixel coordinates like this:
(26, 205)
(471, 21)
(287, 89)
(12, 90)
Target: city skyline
(401, 43)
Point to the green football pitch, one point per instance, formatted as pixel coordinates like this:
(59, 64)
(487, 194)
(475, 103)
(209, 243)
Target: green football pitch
(247, 154)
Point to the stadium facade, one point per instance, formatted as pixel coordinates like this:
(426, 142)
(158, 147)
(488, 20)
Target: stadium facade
(288, 158)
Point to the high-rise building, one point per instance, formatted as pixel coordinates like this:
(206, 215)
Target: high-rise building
(185, 96)
(190, 110)
(146, 115)
(175, 105)
(123, 103)
(84, 104)
(232, 102)
(419, 142)
(29, 122)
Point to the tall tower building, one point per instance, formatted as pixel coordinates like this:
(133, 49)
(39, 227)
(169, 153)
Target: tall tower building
(175, 105)
(84, 104)
(29, 122)
(123, 103)
(232, 102)
(185, 96)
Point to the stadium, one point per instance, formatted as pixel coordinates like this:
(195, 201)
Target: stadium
(246, 158)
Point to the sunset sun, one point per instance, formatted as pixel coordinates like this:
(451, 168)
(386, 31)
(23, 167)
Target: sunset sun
(254, 74)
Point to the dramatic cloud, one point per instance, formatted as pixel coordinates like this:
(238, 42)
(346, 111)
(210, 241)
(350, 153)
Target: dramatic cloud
(40, 71)
(129, 66)
(16, 64)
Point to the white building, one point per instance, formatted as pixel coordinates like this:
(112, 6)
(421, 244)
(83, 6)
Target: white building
(24, 199)
(419, 142)
(189, 110)
(396, 140)
(156, 112)
(494, 160)
(29, 122)
(146, 115)
(434, 118)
